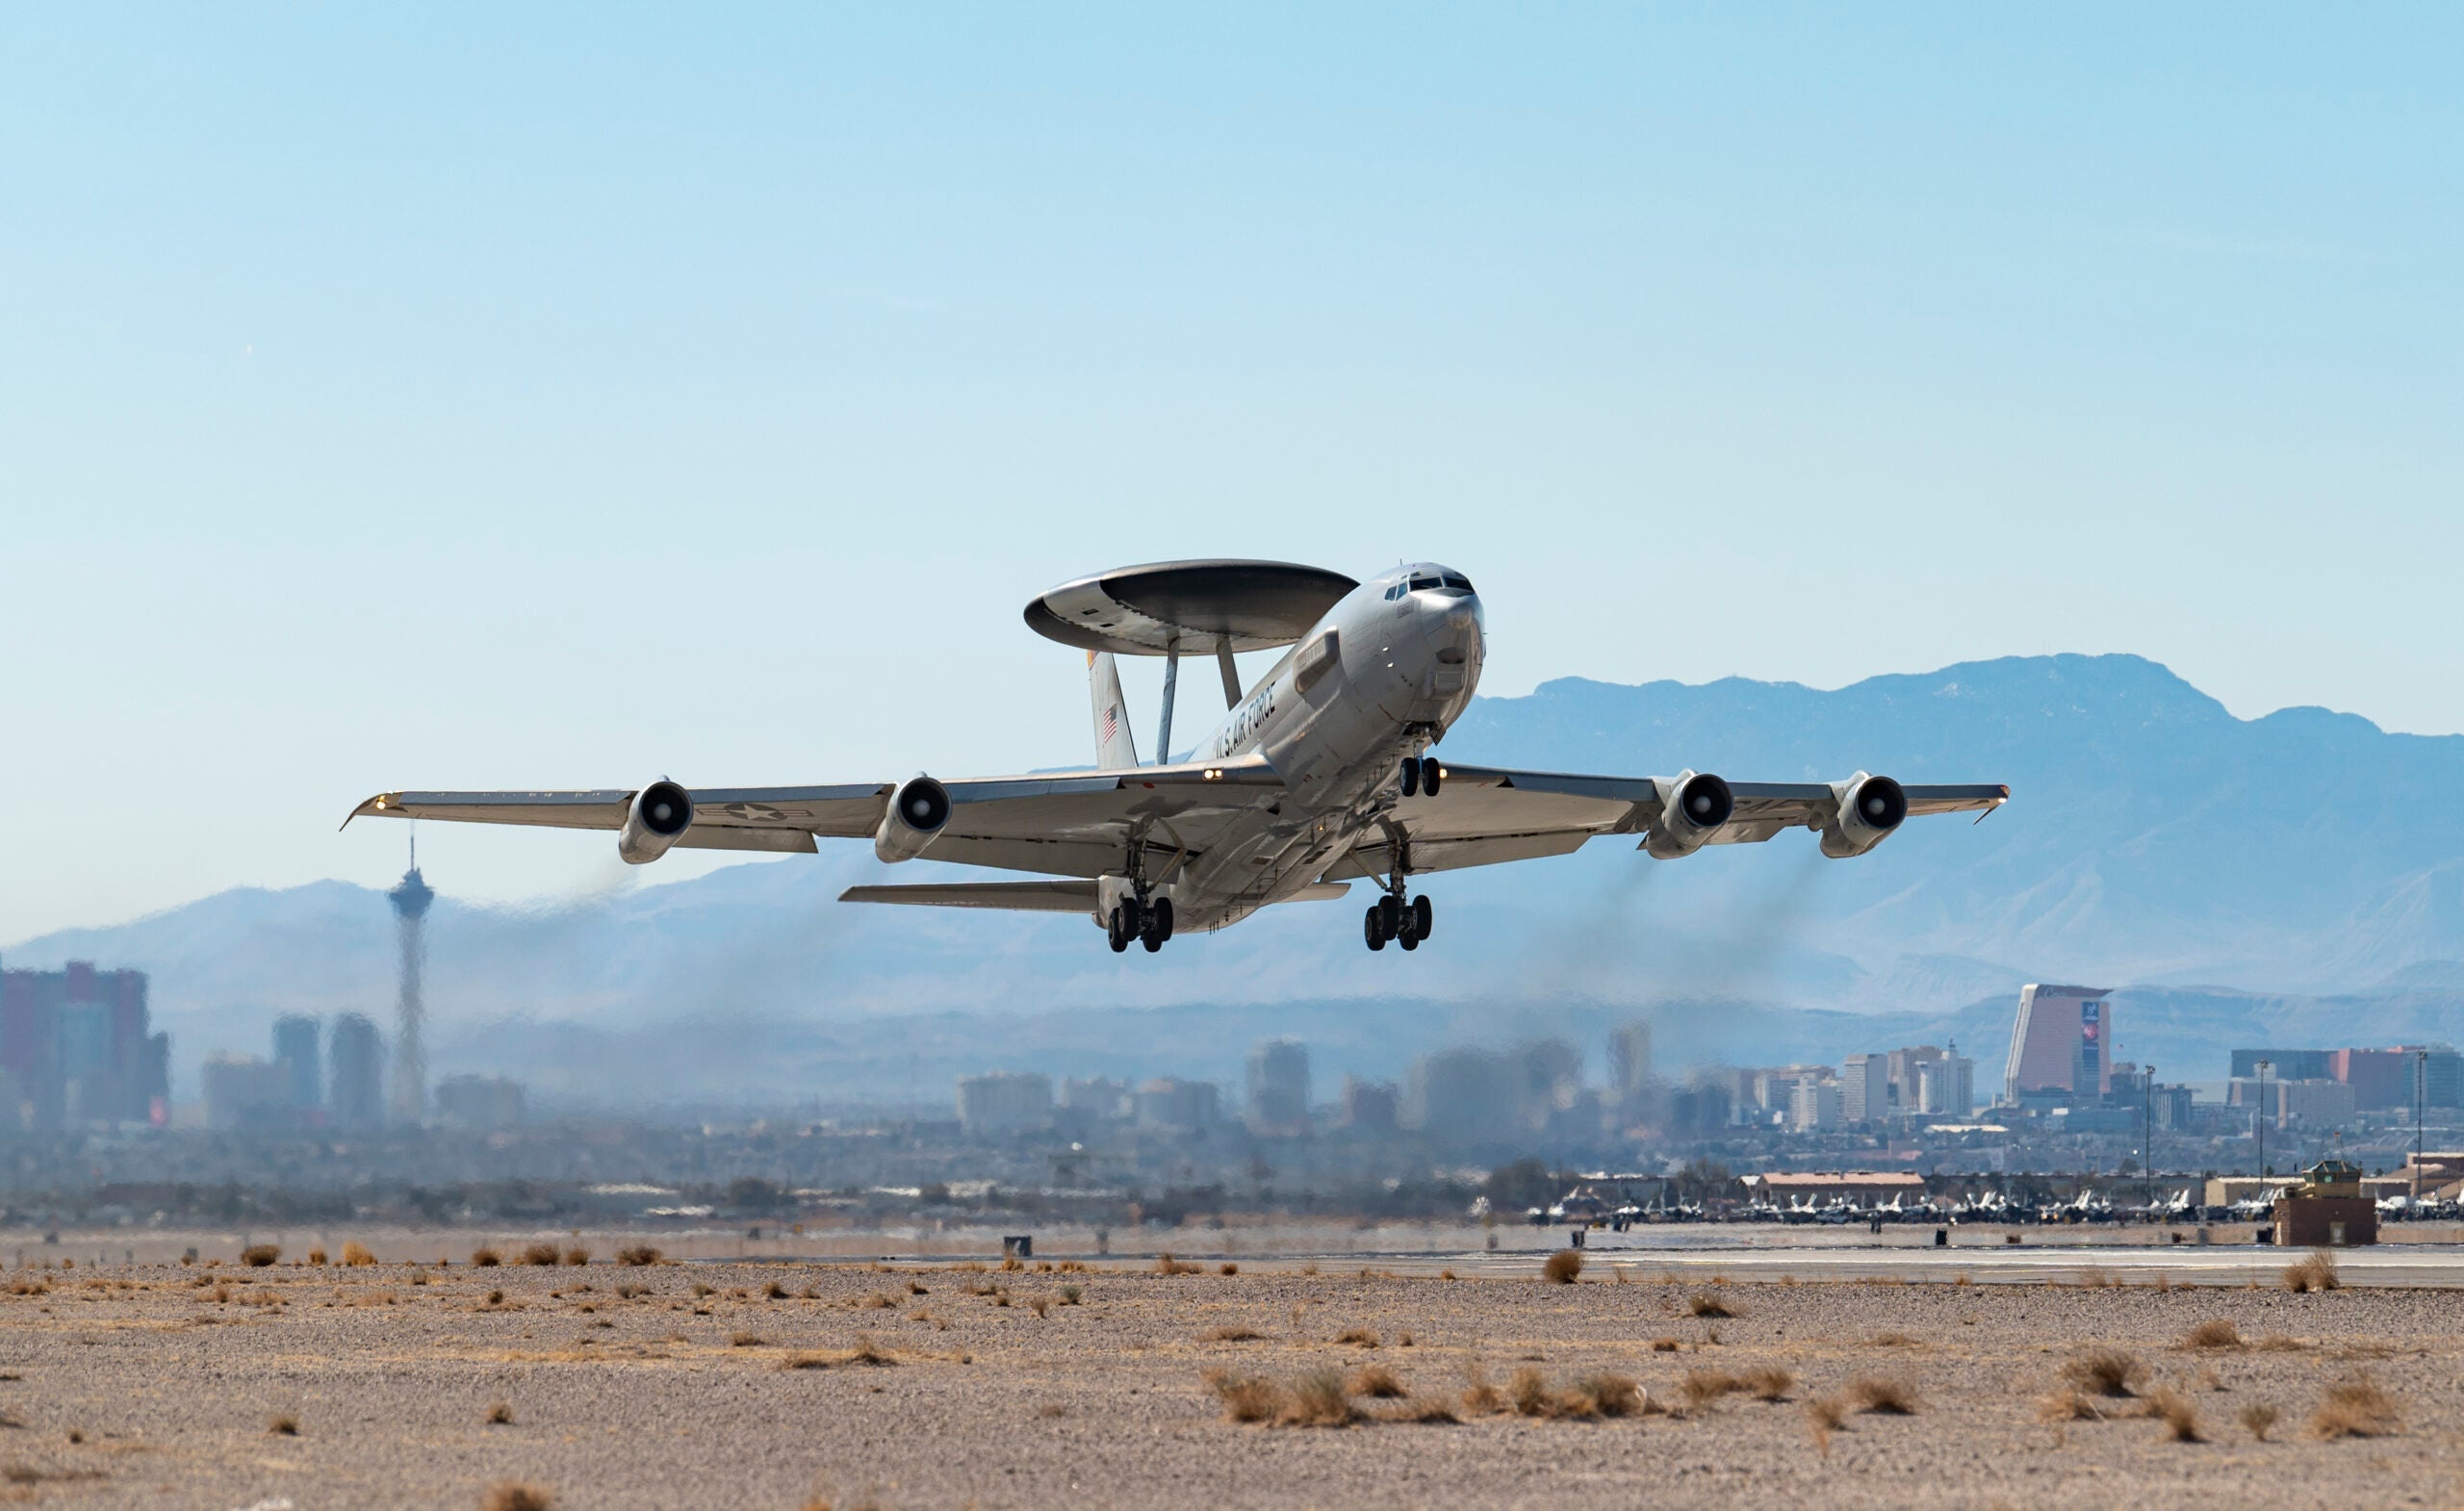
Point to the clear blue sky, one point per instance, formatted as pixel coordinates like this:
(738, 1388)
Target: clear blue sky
(521, 395)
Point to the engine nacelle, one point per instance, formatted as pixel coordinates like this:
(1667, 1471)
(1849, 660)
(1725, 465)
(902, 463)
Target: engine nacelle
(917, 812)
(1869, 809)
(1691, 806)
(660, 814)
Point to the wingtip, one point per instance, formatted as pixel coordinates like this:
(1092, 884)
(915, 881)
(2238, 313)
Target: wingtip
(374, 805)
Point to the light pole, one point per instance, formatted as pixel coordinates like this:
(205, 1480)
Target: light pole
(2421, 1085)
(2262, 1119)
(2148, 1133)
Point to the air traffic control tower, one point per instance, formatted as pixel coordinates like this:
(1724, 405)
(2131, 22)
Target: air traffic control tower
(408, 1106)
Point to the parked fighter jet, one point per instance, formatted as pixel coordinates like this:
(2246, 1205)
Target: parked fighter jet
(1320, 774)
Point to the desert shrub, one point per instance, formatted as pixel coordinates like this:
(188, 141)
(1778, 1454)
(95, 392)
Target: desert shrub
(1702, 1387)
(577, 1255)
(1376, 1381)
(501, 1415)
(1228, 1268)
(257, 1256)
(1166, 1264)
(2357, 1408)
(1481, 1397)
(2105, 1371)
(1665, 1345)
(774, 1291)
(744, 1339)
(1563, 1267)
(1318, 1400)
(540, 1254)
(2277, 1343)
(1610, 1395)
(1528, 1391)
(1883, 1394)
(2315, 1271)
(1767, 1382)
(1070, 1295)
(1425, 1413)
(1824, 1416)
(2217, 1332)
(878, 1302)
(316, 1256)
(2175, 1410)
(1357, 1337)
(1247, 1398)
(1894, 1341)
(511, 1494)
(638, 1254)
(1230, 1335)
(1704, 1305)
(283, 1425)
(356, 1253)
(2260, 1417)
(485, 1258)
(2069, 1404)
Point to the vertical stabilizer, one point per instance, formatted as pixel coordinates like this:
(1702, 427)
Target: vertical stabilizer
(1114, 749)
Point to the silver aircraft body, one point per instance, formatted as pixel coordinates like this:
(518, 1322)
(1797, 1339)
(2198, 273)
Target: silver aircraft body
(1320, 774)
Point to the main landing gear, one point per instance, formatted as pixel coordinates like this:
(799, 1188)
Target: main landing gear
(1150, 923)
(1391, 917)
(1421, 773)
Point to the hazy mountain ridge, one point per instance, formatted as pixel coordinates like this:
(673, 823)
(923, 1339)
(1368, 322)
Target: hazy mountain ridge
(2152, 838)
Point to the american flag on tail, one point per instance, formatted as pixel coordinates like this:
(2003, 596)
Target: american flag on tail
(1112, 721)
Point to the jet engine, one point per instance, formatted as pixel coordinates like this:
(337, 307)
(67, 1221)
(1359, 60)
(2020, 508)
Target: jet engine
(659, 815)
(917, 812)
(1691, 806)
(1869, 809)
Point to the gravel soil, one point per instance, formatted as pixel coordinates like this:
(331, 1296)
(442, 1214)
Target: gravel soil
(691, 1385)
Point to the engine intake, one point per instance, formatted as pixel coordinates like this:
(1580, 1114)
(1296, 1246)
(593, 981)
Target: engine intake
(1870, 808)
(657, 818)
(917, 812)
(1692, 806)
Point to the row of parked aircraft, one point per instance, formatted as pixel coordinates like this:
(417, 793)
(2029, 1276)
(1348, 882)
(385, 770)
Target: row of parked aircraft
(1582, 1207)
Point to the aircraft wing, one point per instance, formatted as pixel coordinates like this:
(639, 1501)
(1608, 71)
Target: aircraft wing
(1483, 815)
(1072, 824)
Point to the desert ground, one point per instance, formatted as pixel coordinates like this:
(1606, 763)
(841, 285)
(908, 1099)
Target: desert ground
(226, 1386)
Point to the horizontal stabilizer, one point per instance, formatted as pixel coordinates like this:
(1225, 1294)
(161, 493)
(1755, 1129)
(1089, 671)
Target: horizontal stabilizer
(1031, 897)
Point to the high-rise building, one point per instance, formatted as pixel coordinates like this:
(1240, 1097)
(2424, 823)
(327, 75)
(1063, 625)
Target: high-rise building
(1369, 1106)
(355, 1073)
(1864, 1088)
(1279, 1089)
(1098, 1096)
(411, 901)
(243, 1091)
(482, 1102)
(1629, 1064)
(1003, 1102)
(2287, 1064)
(295, 1049)
(2058, 1041)
(1178, 1106)
(1813, 1106)
(1464, 1096)
(75, 1047)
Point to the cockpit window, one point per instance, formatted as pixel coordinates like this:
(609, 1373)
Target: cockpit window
(1422, 582)
(1456, 580)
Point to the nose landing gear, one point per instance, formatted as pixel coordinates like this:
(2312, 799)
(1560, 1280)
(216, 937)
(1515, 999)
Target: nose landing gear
(1391, 917)
(1421, 773)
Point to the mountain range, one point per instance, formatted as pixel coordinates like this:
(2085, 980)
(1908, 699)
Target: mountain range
(2300, 873)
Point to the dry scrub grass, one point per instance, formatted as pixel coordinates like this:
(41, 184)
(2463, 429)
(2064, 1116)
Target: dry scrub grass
(2105, 1371)
(638, 1254)
(1166, 1264)
(257, 1256)
(1228, 1268)
(501, 1415)
(2277, 1343)
(1377, 1382)
(1825, 1415)
(2217, 1332)
(1883, 1395)
(1357, 1337)
(356, 1253)
(865, 1353)
(543, 1254)
(2357, 1408)
(1704, 1304)
(513, 1495)
(283, 1425)
(2313, 1271)
(2175, 1410)
(1563, 1267)
(2260, 1417)
(1230, 1335)
(485, 1259)
(2069, 1404)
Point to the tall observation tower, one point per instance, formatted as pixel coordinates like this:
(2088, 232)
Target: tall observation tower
(408, 1105)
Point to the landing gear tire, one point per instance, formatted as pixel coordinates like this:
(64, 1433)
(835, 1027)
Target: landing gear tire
(1158, 924)
(1117, 935)
(1430, 774)
(1370, 933)
(1411, 775)
(1390, 916)
(1408, 939)
(1421, 913)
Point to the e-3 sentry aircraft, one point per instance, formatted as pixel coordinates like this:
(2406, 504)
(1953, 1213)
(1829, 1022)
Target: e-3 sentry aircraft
(1321, 774)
